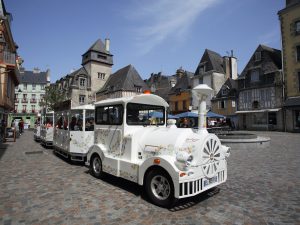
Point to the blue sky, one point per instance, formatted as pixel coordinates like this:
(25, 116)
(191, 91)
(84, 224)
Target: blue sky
(152, 35)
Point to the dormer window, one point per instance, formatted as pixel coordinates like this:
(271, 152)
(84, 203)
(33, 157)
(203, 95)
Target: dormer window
(178, 91)
(257, 56)
(255, 104)
(224, 91)
(82, 82)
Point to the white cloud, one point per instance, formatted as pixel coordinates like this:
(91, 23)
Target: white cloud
(160, 19)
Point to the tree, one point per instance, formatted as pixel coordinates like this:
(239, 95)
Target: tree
(52, 97)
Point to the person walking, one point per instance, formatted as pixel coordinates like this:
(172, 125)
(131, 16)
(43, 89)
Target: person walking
(21, 126)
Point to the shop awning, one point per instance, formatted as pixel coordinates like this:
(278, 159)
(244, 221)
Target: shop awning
(259, 111)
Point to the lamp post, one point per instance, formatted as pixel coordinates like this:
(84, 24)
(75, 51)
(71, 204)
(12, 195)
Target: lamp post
(201, 92)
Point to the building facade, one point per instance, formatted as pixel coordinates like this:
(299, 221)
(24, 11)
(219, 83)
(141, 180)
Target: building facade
(9, 64)
(290, 31)
(161, 84)
(81, 85)
(180, 96)
(28, 96)
(213, 70)
(260, 88)
(225, 102)
(125, 82)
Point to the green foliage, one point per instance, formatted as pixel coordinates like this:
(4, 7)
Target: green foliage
(52, 97)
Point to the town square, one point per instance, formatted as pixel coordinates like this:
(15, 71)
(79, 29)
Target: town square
(139, 112)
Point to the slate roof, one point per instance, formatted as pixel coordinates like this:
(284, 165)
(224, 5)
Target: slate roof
(183, 83)
(162, 84)
(270, 62)
(213, 61)
(292, 101)
(79, 71)
(125, 79)
(98, 46)
(232, 87)
(30, 77)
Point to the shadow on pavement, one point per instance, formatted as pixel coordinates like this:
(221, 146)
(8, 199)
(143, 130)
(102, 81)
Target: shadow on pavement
(138, 190)
(3, 148)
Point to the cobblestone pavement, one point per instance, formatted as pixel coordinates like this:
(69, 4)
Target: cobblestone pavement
(37, 187)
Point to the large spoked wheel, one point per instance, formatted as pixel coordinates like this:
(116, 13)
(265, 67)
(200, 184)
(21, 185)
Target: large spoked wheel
(159, 188)
(96, 166)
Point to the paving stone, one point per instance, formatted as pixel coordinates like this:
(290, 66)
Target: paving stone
(263, 187)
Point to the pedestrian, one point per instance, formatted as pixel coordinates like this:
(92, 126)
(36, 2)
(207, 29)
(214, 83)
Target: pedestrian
(2, 129)
(21, 126)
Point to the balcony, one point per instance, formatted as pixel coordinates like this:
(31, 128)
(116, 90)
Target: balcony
(32, 100)
(24, 100)
(8, 58)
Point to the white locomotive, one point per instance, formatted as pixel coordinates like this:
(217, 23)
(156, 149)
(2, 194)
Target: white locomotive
(169, 162)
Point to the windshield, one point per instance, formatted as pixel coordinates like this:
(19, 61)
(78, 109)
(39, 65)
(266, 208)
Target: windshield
(141, 114)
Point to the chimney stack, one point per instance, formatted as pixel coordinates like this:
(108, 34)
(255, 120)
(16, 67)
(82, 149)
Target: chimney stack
(107, 43)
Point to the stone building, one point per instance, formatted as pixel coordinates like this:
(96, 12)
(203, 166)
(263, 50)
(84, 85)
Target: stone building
(180, 96)
(81, 85)
(9, 64)
(290, 31)
(260, 88)
(161, 84)
(125, 82)
(213, 70)
(29, 94)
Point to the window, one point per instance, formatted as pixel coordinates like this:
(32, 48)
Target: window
(142, 114)
(101, 56)
(25, 87)
(255, 104)
(82, 82)
(176, 106)
(225, 91)
(61, 122)
(81, 99)
(138, 89)
(201, 80)
(109, 115)
(184, 105)
(42, 87)
(33, 96)
(33, 108)
(16, 96)
(297, 27)
(24, 108)
(101, 76)
(33, 87)
(201, 69)
(272, 118)
(298, 81)
(254, 76)
(298, 53)
(233, 104)
(222, 104)
(25, 96)
(257, 56)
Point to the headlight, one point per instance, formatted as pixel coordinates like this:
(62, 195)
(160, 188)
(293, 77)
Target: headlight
(184, 157)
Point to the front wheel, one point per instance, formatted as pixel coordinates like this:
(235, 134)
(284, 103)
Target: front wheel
(159, 188)
(96, 166)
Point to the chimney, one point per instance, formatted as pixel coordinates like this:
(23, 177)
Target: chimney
(48, 75)
(107, 43)
(36, 70)
(230, 66)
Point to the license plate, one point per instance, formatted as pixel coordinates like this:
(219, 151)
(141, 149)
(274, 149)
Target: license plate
(207, 182)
